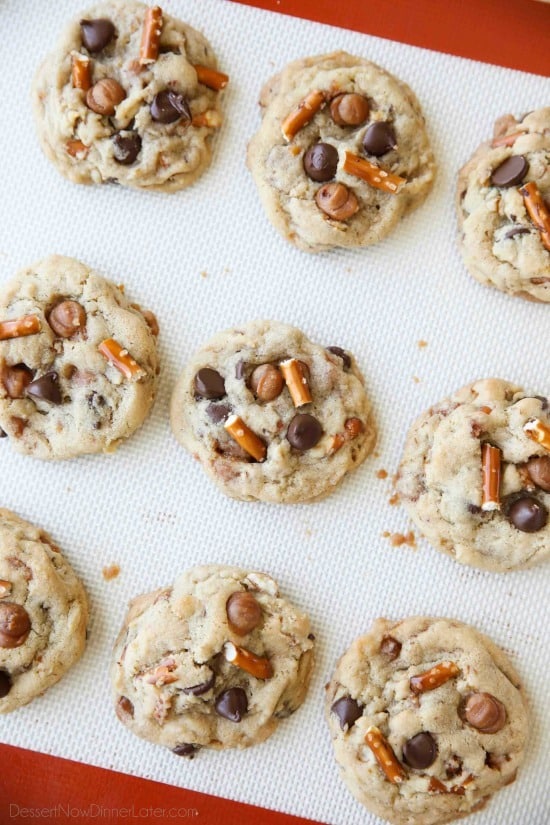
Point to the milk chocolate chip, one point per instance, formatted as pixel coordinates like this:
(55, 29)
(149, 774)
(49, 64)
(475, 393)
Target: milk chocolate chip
(484, 712)
(16, 379)
(15, 624)
(104, 96)
(336, 201)
(390, 647)
(349, 109)
(67, 318)
(266, 382)
(244, 612)
(539, 471)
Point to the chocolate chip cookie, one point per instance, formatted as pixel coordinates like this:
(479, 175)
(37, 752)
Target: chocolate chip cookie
(130, 95)
(475, 476)
(503, 207)
(272, 416)
(428, 720)
(43, 613)
(78, 361)
(342, 152)
(214, 661)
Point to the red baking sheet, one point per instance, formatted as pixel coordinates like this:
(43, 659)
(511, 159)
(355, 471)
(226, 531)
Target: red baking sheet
(37, 787)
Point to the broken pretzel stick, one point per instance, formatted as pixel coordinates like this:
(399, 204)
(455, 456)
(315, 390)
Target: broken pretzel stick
(506, 140)
(434, 677)
(209, 118)
(294, 373)
(258, 666)
(163, 674)
(245, 437)
(211, 78)
(75, 148)
(373, 175)
(385, 756)
(150, 37)
(5, 588)
(120, 358)
(301, 116)
(490, 477)
(538, 211)
(19, 327)
(81, 71)
(537, 431)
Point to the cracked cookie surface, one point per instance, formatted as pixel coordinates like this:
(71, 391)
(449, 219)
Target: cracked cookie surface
(140, 118)
(475, 480)
(175, 677)
(428, 720)
(501, 241)
(43, 613)
(356, 107)
(241, 406)
(78, 362)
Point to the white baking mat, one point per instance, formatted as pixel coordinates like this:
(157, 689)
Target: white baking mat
(207, 259)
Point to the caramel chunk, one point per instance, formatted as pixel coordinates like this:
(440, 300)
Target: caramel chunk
(15, 625)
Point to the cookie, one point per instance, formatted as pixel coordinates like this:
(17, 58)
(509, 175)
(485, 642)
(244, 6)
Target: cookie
(272, 416)
(428, 720)
(503, 199)
(130, 95)
(475, 476)
(78, 361)
(43, 613)
(342, 152)
(214, 661)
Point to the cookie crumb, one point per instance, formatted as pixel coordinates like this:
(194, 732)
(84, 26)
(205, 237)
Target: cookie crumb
(111, 572)
(398, 539)
(204, 273)
(422, 344)
(381, 473)
(394, 499)
(416, 379)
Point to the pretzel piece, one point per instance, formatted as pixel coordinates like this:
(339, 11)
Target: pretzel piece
(75, 148)
(211, 78)
(434, 677)
(385, 756)
(490, 474)
(209, 118)
(120, 358)
(81, 71)
(295, 377)
(506, 140)
(19, 327)
(163, 674)
(538, 211)
(245, 437)
(374, 175)
(150, 36)
(537, 431)
(300, 117)
(258, 666)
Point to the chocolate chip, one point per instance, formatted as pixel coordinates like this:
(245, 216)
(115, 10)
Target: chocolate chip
(16, 379)
(543, 401)
(240, 369)
(126, 147)
(217, 412)
(202, 687)
(528, 514)
(209, 384)
(232, 704)
(341, 354)
(538, 468)
(379, 138)
(15, 624)
(320, 161)
(46, 388)
(96, 34)
(347, 710)
(5, 683)
(244, 612)
(474, 509)
(304, 431)
(169, 106)
(390, 647)
(124, 709)
(3, 434)
(453, 766)
(349, 109)
(67, 318)
(510, 172)
(420, 751)
(185, 750)
(483, 712)
(516, 230)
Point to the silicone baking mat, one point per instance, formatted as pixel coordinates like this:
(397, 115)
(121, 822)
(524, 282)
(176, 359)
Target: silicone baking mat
(206, 259)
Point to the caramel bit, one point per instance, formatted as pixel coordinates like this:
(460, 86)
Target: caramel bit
(353, 427)
(374, 175)
(150, 37)
(209, 118)
(120, 358)
(490, 468)
(245, 437)
(74, 148)
(538, 211)
(295, 374)
(381, 473)
(537, 431)
(111, 572)
(19, 327)
(258, 666)
(301, 116)
(18, 425)
(385, 756)
(211, 78)
(434, 677)
(81, 71)
(393, 500)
